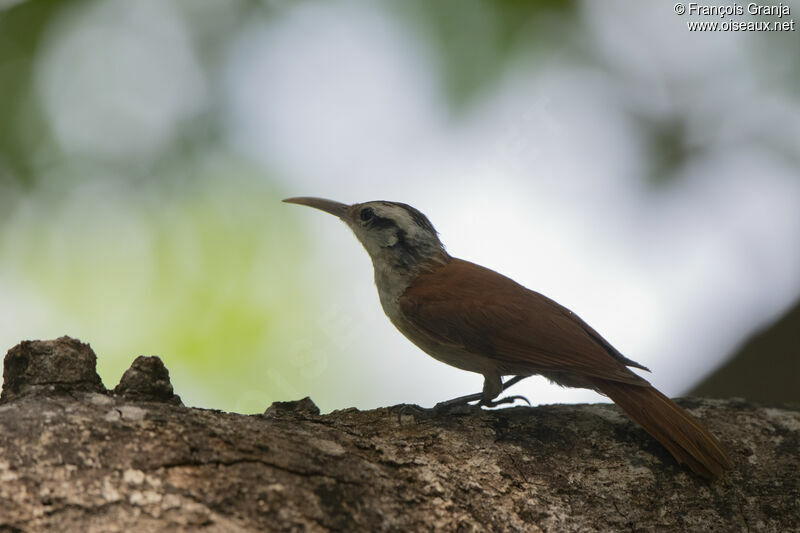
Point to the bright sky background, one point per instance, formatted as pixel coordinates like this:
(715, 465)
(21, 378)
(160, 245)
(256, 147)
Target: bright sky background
(540, 182)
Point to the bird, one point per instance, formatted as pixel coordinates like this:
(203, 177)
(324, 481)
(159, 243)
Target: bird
(475, 319)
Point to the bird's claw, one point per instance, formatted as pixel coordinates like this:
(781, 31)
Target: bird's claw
(409, 409)
(458, 404)
(464, 403)
(501, 401)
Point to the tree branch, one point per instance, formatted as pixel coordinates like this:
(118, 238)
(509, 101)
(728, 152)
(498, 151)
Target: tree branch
(74, 456)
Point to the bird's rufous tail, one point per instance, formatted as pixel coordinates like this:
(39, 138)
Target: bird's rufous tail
(678, 431)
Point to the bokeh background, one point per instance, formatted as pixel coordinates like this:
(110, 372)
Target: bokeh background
(643, 175)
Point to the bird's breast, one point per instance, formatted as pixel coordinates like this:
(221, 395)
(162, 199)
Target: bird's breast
(450, 354)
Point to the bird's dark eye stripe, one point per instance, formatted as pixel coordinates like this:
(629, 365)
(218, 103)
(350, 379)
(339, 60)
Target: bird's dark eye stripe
(366, 214)
(381, 222)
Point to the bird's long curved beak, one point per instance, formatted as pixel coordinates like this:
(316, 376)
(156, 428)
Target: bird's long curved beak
(329, 206)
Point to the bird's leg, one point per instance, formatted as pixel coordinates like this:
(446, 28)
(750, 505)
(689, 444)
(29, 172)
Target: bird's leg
(488, 402)
(491, 389)
(462, 402)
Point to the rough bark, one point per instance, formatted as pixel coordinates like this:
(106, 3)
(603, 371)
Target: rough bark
(75, 457)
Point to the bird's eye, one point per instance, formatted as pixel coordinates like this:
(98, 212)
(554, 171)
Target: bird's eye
(366, 214)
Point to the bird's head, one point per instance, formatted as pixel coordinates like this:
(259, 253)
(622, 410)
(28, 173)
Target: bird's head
(394, 234)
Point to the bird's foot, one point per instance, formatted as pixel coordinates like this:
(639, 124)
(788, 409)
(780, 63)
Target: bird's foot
(463, 403)
(501, 401)
(412, 410)
(459, 404)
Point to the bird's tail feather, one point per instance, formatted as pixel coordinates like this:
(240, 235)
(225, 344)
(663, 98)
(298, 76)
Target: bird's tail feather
(678, 431)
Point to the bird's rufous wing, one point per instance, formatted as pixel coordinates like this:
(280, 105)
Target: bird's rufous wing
(466, 305)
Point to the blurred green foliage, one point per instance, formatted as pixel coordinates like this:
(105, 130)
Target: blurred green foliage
(190, 256)
(201, 275)
(476, 42)
(23, 130)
